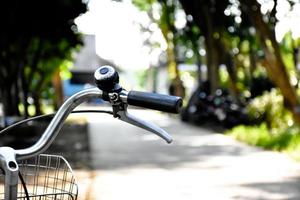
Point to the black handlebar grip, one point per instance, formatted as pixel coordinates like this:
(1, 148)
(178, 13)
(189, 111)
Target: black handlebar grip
(161, 102)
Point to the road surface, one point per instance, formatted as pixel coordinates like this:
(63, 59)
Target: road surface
(131, 164)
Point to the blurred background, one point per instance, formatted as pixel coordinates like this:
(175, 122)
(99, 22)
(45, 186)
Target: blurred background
(236, 64)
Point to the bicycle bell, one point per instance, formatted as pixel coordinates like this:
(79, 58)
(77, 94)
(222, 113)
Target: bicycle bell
(107, 79)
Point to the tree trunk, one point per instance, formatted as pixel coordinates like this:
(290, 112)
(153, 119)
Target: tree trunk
(37, 103)
(24, 92)
(154, 78)
(202, 16)
(232, 76)
(296, 62)
(274, 63)
(252, 63)
(10, 100)
(59, 93)
(212, 64)
(199, 70)
(211, 54)
(174, 75)
(36, 95)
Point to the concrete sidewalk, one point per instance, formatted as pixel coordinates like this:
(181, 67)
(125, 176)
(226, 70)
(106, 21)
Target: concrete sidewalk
(131, 164)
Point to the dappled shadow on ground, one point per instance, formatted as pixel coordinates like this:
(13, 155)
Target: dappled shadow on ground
(191, 144)
(74, 143)
(209, 125)
(284, 190)
(116, 146)
(162, 156)
(202, 152)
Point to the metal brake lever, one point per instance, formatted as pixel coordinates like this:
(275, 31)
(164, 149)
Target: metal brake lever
(120, 111)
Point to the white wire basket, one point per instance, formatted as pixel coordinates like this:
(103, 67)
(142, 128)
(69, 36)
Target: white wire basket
(45, 177)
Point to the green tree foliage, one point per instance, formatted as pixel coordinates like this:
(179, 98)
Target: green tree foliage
(240, 35)
(35, 39)
(165, 20)
(274, 64)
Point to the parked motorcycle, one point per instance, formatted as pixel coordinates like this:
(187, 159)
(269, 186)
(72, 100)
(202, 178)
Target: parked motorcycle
(220, 108)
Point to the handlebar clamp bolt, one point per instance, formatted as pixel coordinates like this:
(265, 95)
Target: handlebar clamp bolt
(114, 97)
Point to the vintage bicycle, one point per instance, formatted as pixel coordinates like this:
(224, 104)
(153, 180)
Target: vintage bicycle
(29, 174)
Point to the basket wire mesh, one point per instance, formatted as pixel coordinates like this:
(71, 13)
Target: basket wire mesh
(46, 177)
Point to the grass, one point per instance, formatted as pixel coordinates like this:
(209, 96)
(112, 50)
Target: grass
(287, 141)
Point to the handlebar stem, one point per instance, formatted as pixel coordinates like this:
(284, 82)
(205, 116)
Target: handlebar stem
(57, 122)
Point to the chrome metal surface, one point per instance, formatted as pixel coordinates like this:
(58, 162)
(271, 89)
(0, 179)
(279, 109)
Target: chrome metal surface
(46, 177)
(8, 156)
(57, 122)
(149, 126)
(100, 76)
(11, 169)
(123, 96)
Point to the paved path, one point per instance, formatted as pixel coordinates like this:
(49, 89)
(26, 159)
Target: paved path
(131, 164)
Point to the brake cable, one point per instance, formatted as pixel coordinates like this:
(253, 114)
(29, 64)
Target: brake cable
(50, 116)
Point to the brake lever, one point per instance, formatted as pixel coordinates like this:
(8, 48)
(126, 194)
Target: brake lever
(120, 112)
(107, 80)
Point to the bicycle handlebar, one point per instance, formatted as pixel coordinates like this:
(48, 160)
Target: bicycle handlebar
(166, 103)
(108, 88)
(57, 122)
(119, 99)
(142, 99)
